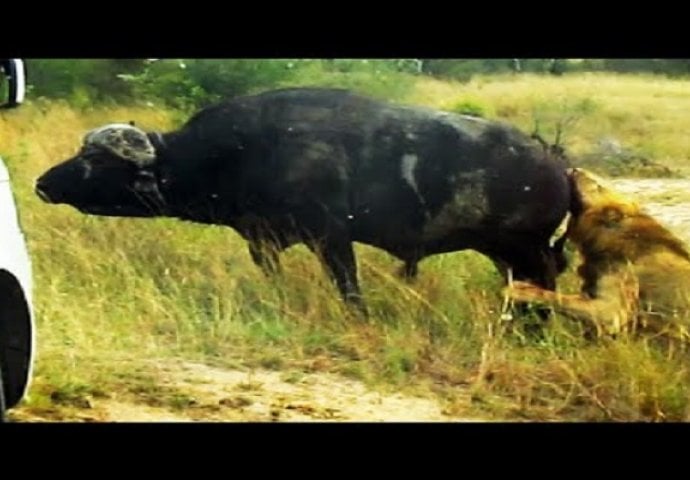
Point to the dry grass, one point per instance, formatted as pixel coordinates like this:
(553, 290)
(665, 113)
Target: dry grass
(647, 114)
(110, 294)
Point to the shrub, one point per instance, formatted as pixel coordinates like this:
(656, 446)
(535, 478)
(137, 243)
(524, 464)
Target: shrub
(87, 81)
(469, 107)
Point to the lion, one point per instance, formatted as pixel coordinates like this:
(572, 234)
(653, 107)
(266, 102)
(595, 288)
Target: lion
(635, 272)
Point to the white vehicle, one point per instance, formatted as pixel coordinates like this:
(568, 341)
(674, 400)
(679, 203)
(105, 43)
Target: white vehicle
(16, 313)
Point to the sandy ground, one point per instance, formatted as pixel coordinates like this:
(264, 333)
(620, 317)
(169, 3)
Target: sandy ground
(668, 200)
(223, 395)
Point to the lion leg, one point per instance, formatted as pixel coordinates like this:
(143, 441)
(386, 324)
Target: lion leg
(609, 313)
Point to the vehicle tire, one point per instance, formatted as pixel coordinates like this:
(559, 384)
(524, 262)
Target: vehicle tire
(16, 342)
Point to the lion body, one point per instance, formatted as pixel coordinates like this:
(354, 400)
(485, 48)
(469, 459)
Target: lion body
(635, 272)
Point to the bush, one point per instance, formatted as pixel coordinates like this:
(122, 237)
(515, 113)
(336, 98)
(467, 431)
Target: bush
(652, 65)
(229, 78)
(463, 70)
(191, 84)
(188, 84)
(85, 81)
(167, 81)
(367, 79)
(553, 121)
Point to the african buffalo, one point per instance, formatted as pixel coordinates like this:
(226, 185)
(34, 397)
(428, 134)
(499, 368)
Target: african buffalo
(327, 167)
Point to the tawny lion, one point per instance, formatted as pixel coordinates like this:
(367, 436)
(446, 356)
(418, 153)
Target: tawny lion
(635, 273)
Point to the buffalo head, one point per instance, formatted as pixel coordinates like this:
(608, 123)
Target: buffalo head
(113, 174)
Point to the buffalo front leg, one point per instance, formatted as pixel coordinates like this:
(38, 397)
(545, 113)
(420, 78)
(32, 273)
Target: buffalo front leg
(338, 258)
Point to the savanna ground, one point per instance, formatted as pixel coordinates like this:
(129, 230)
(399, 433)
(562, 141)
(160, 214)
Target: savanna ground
(160, 320)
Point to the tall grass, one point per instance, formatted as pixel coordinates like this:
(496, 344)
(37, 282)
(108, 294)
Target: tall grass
(111, 294)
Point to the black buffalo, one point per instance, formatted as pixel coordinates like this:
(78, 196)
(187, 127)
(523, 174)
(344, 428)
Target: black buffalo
(326, 167)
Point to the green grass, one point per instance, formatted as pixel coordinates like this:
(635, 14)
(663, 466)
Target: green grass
(110, 294)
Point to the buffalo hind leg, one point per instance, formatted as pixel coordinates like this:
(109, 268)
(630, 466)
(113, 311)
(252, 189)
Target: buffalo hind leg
(536, 266)
(411, 258)
(409, 270)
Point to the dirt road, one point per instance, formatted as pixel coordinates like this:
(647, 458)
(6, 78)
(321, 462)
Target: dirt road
(668, 200)
(208, 394)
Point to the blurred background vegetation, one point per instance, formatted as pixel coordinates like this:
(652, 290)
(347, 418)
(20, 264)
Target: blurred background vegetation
(192, 83)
